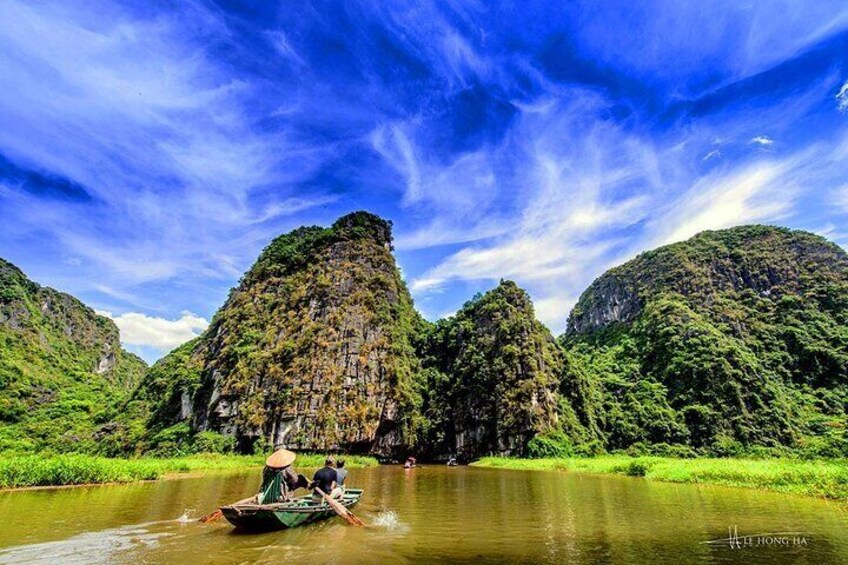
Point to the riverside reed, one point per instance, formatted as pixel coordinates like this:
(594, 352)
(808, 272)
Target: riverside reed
(825, 478)
(76, 469)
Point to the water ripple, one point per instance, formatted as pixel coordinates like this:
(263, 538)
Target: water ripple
(88, 547)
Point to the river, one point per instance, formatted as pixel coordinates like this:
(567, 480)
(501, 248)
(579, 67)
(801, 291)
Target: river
(431, 514)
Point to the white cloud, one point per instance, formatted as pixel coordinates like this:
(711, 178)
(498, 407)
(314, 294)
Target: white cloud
(762, 140)
(394, 146)
(161, 132)
(596, 195)
(465, 183)
(159, 333)
(712, 154)
(552, 311)
(842, 98)
(115, 293)
(576, 179)
(457, 195)
(754, 193)
(430, 34)
(281, 43)
(444, 230)
(580, 187)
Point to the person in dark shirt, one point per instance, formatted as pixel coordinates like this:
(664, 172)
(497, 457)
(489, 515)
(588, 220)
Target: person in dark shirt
(324, 479)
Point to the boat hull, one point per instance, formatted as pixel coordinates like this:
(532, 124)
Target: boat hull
(268, 517)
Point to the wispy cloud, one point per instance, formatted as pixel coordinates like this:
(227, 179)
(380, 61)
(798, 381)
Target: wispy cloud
(842, 98)
(162, 147)
(833, 233)
(754, 193)
(601, 201)
(458, 195)
(578, 180)
(163, 137)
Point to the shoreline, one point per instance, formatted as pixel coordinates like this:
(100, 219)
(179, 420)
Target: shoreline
(37, 472)
(821, 478)
(169, 476)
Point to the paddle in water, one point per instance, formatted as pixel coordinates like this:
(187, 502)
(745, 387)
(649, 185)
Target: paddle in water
(218, 514)
(337, 507)
(211, 517)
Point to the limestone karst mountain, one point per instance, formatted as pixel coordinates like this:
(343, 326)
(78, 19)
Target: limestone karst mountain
(63, 373)
(732, 339)
(494, 376)
(312, 350)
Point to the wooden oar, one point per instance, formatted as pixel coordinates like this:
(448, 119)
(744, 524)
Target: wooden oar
(218, 514)
(211, 517)
(349, 516)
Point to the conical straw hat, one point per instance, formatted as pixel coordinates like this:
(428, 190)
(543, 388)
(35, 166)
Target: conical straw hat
(281, 458)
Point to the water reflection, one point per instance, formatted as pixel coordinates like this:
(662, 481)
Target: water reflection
(429, 514)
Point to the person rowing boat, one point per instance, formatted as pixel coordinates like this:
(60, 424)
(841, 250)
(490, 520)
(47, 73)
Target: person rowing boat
(279, 479)
(274, 507)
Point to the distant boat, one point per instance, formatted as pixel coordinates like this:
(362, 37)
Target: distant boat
(252, 517)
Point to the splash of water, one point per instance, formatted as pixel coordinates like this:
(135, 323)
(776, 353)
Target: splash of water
(187, 517)
(388, 519)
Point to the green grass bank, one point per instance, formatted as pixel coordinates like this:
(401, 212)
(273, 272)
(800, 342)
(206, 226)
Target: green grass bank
(824, 478)
(74, 469)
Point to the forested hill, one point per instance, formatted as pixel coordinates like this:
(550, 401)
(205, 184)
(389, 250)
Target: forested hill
(320, 348)
(732, 339)
(735, 341)
(313, 350)
(493, 378)
(63, 373)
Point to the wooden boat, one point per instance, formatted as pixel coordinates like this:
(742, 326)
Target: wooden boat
(252, 517)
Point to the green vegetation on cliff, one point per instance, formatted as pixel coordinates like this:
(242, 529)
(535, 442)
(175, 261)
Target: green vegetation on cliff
(732, 342)
(152, 419)
(313, 349)
(63, 373)
(493, 376)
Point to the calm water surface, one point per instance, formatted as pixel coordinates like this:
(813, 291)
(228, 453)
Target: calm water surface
(427, 515)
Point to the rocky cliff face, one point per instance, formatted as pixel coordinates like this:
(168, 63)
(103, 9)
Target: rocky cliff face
(313, 349)
(493, 377)
(62, 368)
(735, 338)
(760, 259)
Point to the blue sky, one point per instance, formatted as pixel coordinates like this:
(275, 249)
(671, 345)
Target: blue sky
(148, 154)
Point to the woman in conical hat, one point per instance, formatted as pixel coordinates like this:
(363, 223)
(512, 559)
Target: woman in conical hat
(280, 459)
(278, 478)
